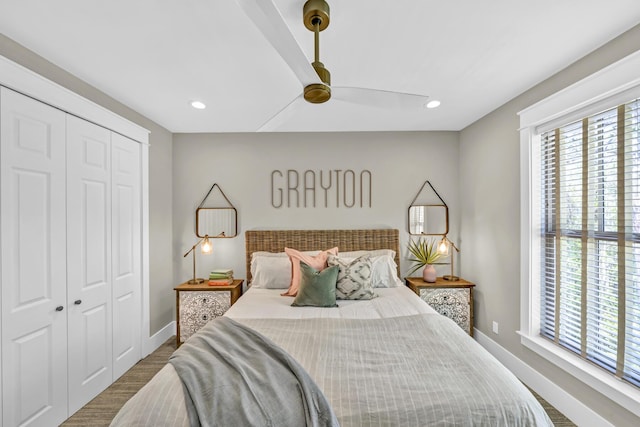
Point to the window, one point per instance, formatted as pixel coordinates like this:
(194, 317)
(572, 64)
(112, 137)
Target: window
(580, 230)
(590, 226)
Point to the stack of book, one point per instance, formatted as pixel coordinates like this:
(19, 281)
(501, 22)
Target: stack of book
(221, 277)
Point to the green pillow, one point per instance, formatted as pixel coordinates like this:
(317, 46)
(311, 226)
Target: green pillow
(317, 288)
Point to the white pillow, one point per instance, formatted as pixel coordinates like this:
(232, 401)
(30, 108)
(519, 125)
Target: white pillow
(270, 272)
(375, 252)
(384, 270)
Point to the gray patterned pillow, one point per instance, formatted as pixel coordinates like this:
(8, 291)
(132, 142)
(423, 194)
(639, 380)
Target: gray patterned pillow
(354, 277)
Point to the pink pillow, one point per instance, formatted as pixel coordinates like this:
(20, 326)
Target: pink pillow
(318, 262)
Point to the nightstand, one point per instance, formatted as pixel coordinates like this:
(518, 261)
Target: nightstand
(197, 304)
(451, 299)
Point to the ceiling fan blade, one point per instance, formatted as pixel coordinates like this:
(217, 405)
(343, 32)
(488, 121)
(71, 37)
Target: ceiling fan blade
(379, 98)
(267, 18)
(282, 116)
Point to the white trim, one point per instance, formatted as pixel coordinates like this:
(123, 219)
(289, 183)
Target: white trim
(156, 340)
(145, 311)
(616, 78)
(25, 81)
(571, 407)
(601, 90)
(617, 390)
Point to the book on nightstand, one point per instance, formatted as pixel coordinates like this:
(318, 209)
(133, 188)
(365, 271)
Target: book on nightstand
(221, 277)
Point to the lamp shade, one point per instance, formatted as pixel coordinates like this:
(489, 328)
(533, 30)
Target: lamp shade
(444, 247)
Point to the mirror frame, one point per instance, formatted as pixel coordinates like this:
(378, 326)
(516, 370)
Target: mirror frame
(443, 204)
(221, 235)
(446, 225)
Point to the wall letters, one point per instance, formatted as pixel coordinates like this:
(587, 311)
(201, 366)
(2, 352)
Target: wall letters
(329, 188)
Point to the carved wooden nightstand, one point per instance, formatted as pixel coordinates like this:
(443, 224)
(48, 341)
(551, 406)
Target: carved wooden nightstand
(197, 304)
(453, 299)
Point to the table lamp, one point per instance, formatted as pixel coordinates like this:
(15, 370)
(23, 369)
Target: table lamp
(206, 249)
(444, 248)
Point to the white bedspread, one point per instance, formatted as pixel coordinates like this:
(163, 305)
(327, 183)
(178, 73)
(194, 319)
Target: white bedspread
(389, 361)
(259, 303)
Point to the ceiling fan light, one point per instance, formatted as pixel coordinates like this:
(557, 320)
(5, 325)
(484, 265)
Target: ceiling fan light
(198, 105)
(433, 104)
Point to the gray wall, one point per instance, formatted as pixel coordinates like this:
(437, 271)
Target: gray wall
(490, 219)
(242, 164)
(160, 179)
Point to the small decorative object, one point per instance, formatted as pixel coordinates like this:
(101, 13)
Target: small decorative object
(425, 254)
(429, 273)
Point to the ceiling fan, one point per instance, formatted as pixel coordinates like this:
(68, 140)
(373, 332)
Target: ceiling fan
(314, 77)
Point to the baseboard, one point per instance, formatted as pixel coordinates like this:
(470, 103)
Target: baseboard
(571, 407)
(159, 338)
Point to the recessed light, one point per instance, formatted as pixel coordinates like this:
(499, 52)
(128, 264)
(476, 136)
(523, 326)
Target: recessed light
(433, 104)
(199, 105)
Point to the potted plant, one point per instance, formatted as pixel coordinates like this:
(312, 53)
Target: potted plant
(425, 254)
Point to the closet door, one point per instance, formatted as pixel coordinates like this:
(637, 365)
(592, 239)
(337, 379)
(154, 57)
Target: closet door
(127, 277)
(89, 260)
(33, 262)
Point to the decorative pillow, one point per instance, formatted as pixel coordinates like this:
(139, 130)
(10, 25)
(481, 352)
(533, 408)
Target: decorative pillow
(319, 262)
(354, 277)
(270, 272)
(317, 288)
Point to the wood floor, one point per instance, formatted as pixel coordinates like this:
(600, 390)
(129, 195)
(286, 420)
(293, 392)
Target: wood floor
(101, 410)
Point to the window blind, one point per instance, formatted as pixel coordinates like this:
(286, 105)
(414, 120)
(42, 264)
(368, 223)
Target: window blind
(590, 260)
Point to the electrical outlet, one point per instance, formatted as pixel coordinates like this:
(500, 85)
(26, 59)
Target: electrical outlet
(495, 327)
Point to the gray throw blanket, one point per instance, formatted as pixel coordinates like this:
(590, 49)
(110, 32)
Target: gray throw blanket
(234, 376)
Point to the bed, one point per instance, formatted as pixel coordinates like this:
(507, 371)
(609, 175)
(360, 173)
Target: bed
(389, 360)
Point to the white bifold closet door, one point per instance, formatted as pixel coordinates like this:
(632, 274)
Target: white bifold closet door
(71, 260)
(34, 265)
(126, 253)
(103, 258)
(89, 283)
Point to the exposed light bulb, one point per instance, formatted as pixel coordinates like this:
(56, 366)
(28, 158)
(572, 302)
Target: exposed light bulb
(206, 246)
(433, 104)
(198, 105)
(443, 246)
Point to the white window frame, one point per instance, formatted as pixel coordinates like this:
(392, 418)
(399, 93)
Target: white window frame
(609, 87)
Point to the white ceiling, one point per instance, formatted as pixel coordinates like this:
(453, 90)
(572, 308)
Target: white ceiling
(158, 55)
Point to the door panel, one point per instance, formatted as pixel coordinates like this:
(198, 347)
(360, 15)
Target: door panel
(33, 270)
(89, 260)
(127, 278)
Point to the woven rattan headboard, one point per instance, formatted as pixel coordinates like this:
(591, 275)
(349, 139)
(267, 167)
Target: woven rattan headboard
(309, 240)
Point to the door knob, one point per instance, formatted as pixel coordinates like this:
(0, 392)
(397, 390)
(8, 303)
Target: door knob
(59, 308)
(78, 302)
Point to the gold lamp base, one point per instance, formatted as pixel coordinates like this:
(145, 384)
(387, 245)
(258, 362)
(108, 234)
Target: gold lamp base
(195, 281)
(451, 278)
